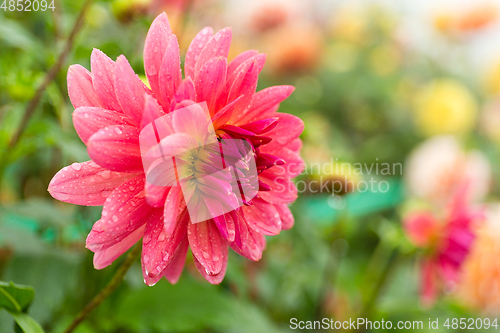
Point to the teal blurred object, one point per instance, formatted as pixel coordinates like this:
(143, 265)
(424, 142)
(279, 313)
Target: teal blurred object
(326, 210)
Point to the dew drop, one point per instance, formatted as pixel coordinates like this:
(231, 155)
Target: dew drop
(76, 166)
(118, 130)
(115, 218)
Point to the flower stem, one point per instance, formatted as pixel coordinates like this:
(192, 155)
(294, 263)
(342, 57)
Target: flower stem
(110, 287)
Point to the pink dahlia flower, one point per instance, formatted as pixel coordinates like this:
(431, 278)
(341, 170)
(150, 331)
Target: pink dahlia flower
(113, 106)
(447, 240)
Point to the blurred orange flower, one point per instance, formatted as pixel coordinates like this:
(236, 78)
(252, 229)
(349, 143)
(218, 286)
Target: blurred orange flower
(471, 19)
(288, 54)
(479, 288)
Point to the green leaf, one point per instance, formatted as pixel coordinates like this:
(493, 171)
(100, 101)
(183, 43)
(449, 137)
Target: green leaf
(26, 323)
(15, 298)
(189, 306)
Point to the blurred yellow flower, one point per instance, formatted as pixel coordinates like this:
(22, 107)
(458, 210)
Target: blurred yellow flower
(479, 287)
(445, 106)
(350, 24)
(385, 59)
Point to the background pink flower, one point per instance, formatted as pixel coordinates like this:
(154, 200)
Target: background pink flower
(447, 240)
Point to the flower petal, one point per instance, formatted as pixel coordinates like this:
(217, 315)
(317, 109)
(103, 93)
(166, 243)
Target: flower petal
(152, 111)
(248, 242)
(103, 72)
(88, 120)
(174, 269)
(80, 89)
(130, 90)
(194, 50)
(283, 190)
(174, 204)
(224, 115)
(245, 83)
(116, 148)
(158, 248)
(192, 120)
(294, 164)
(262, 102)
(156, 195)
(124, 211)
(209, 82)
(262, 217)
(287, 219)
(217, 278)
(170, 73)
(261, 126)
(217, 46)
(288, 129)
(226, 225)
(207, 245)
(239, 59)
(106, 257)
(155, 47)
(85, 184)
(295, 145)
(185, 92)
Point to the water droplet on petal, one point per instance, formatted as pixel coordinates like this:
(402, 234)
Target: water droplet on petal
(76, 166)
